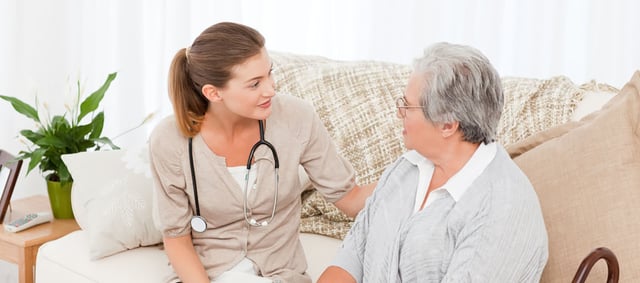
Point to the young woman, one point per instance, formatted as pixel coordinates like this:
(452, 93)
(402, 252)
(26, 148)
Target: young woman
(226, 164)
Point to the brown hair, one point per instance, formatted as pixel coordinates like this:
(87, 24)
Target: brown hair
(209, 60)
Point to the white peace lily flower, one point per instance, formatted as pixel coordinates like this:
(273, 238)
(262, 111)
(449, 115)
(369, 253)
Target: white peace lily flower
(71, 96)
(44, 114)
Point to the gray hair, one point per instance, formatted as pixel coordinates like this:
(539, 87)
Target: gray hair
(461, 85)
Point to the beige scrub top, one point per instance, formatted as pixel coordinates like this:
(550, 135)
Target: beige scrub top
(300, 138)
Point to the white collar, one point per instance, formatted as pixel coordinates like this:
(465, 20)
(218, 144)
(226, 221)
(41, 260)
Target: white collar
(458, 184)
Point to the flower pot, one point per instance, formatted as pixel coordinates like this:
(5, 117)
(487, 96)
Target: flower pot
(60, 199)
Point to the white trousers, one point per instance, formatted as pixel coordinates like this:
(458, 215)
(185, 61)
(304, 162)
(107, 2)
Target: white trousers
(235, 277)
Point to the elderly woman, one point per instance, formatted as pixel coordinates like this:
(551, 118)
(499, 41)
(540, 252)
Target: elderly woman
(455, 207)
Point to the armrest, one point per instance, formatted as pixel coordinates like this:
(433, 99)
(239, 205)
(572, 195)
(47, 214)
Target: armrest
(591, 259)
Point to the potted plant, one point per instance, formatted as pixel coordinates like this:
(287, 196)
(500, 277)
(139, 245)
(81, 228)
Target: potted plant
(78, 129)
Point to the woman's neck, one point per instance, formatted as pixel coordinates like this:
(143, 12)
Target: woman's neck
(453, 157)
(229, 127)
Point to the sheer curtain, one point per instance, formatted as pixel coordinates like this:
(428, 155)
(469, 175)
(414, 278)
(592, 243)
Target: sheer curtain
(46, 46)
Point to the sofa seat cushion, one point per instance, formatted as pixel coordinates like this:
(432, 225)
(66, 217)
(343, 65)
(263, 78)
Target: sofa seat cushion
(67, 260)
(587, 177)
(320, 251)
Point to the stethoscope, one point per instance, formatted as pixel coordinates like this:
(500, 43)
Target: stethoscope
(199, 224)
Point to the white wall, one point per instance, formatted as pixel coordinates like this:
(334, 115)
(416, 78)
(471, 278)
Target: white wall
(47, 45)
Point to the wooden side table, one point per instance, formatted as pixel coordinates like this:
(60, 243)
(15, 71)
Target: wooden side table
(21, 248)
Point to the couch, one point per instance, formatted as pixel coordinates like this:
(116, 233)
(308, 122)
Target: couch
(583, 162)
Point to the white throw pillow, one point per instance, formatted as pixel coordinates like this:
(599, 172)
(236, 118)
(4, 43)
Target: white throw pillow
(112, 199)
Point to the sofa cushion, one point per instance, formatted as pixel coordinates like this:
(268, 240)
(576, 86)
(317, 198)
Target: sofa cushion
(112, 199)
(586, 175)
(67, 260)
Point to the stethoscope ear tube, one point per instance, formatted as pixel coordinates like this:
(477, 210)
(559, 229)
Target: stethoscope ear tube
(262, 141)
(198, 223)
(193, 177)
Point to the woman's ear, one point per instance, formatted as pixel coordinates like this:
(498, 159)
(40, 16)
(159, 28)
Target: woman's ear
(450, 128)
(211, 93)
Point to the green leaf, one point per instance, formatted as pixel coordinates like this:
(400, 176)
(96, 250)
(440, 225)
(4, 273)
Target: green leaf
(23, 155)
(35, 158)
(80, 132)
(22, 108)
(64, 174)
(97, 123)
(84, 145)
(107, 141)
(31, 135)
(92, 102)
(49, 141)
(61, 169)
(59, 125)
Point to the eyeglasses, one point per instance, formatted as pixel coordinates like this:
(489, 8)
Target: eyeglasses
(402, 105)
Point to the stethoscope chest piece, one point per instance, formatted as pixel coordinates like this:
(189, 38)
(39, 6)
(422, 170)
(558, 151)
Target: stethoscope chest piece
(198, 224)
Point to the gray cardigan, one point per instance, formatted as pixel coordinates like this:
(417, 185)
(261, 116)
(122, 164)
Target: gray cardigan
(494, 233)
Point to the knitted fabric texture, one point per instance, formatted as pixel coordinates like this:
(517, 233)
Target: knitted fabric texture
(532, 105)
